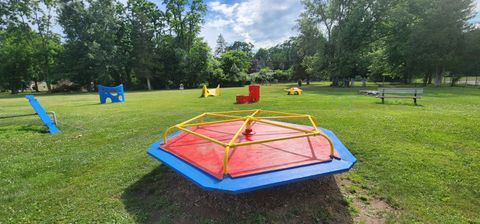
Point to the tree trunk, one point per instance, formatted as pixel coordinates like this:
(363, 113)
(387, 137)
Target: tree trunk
(36, 85)
(49, 86)
(149, 85)
(438, 78)
(335, 81)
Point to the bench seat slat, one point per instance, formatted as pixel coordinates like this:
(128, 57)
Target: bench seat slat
(400, 90)
(410, 97)
(413, 93)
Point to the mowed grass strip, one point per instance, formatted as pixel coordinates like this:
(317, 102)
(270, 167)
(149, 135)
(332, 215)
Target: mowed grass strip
(422, 160)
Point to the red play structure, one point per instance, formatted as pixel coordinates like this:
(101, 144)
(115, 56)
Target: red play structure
(253, 95)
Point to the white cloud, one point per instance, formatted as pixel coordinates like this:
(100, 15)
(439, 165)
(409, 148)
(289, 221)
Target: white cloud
(222, 8)
(476, 18)
(264, 23)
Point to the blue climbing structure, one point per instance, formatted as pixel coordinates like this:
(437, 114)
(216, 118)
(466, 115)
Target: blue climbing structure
(42, 114)
(115, 93)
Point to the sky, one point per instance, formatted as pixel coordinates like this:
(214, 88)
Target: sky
(264, 23)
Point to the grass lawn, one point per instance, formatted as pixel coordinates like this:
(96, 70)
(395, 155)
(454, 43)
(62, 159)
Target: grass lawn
(422, 162)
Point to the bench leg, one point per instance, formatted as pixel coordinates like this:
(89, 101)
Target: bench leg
(415, 101)
(383, 100)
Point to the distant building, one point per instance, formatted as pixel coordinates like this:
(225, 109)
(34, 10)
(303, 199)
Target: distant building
(42, 86)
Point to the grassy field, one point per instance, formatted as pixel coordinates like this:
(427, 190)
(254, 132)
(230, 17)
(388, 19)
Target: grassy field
(422, 162)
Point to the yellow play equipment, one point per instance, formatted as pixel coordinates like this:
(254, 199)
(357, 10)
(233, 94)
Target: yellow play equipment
(294, 91)
(210, 92)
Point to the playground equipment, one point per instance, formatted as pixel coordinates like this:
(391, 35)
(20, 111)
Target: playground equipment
(210, 92)
(294, 91)
(115, 93)
(250, 149)
(42, 114)
(253, 95)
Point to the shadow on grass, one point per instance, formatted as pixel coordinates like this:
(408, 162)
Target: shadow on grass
(91, 104)
(163, 196)
(399, 103)
(24, 128)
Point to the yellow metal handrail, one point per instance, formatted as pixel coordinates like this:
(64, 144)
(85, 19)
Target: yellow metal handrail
(247, 122)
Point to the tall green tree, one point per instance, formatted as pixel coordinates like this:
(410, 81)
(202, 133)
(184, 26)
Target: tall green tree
(42, 17)
(16, 56)
(221, 46)
(234, 63)
(242, 46)
(91, 29)
(438, 38)
(347, 27)
(145, 24)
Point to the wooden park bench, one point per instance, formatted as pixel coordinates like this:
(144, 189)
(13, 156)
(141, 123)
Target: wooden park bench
(411, 93)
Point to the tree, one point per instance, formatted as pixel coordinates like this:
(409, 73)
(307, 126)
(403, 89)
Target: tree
(16, 55)
(91, 40)
(184, 19)
(347, 26)
(262, 56)
(242, 46)
(215, 73)
(143, 19)
(221, 46)
(438, 38)
(234, 63)
(311, 48)
(423, 38)
(469, 63)
(42, 19)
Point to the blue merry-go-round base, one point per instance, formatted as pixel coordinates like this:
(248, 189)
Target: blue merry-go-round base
(260, 180)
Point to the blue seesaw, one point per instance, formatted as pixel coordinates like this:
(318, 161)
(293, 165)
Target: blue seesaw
(47, 121)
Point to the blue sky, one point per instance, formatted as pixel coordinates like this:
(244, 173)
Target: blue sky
(264, 23)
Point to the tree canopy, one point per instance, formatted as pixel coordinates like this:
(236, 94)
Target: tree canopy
(145, 46)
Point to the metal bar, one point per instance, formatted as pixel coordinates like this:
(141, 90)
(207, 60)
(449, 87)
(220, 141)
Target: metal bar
(315, 120)
(283, 113)
(227, 148)
(313, 123)
(202, 136)
(54, 117)
(274, 139)
(232, 112)
(283, 126)
(189, 120)
(255, 113)
(166, 133)
(224, 115)
(238, 132)
(332, 149)
(332, 152)
(225, 160)
(280, 117)
(211, 122)
(18, 115)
